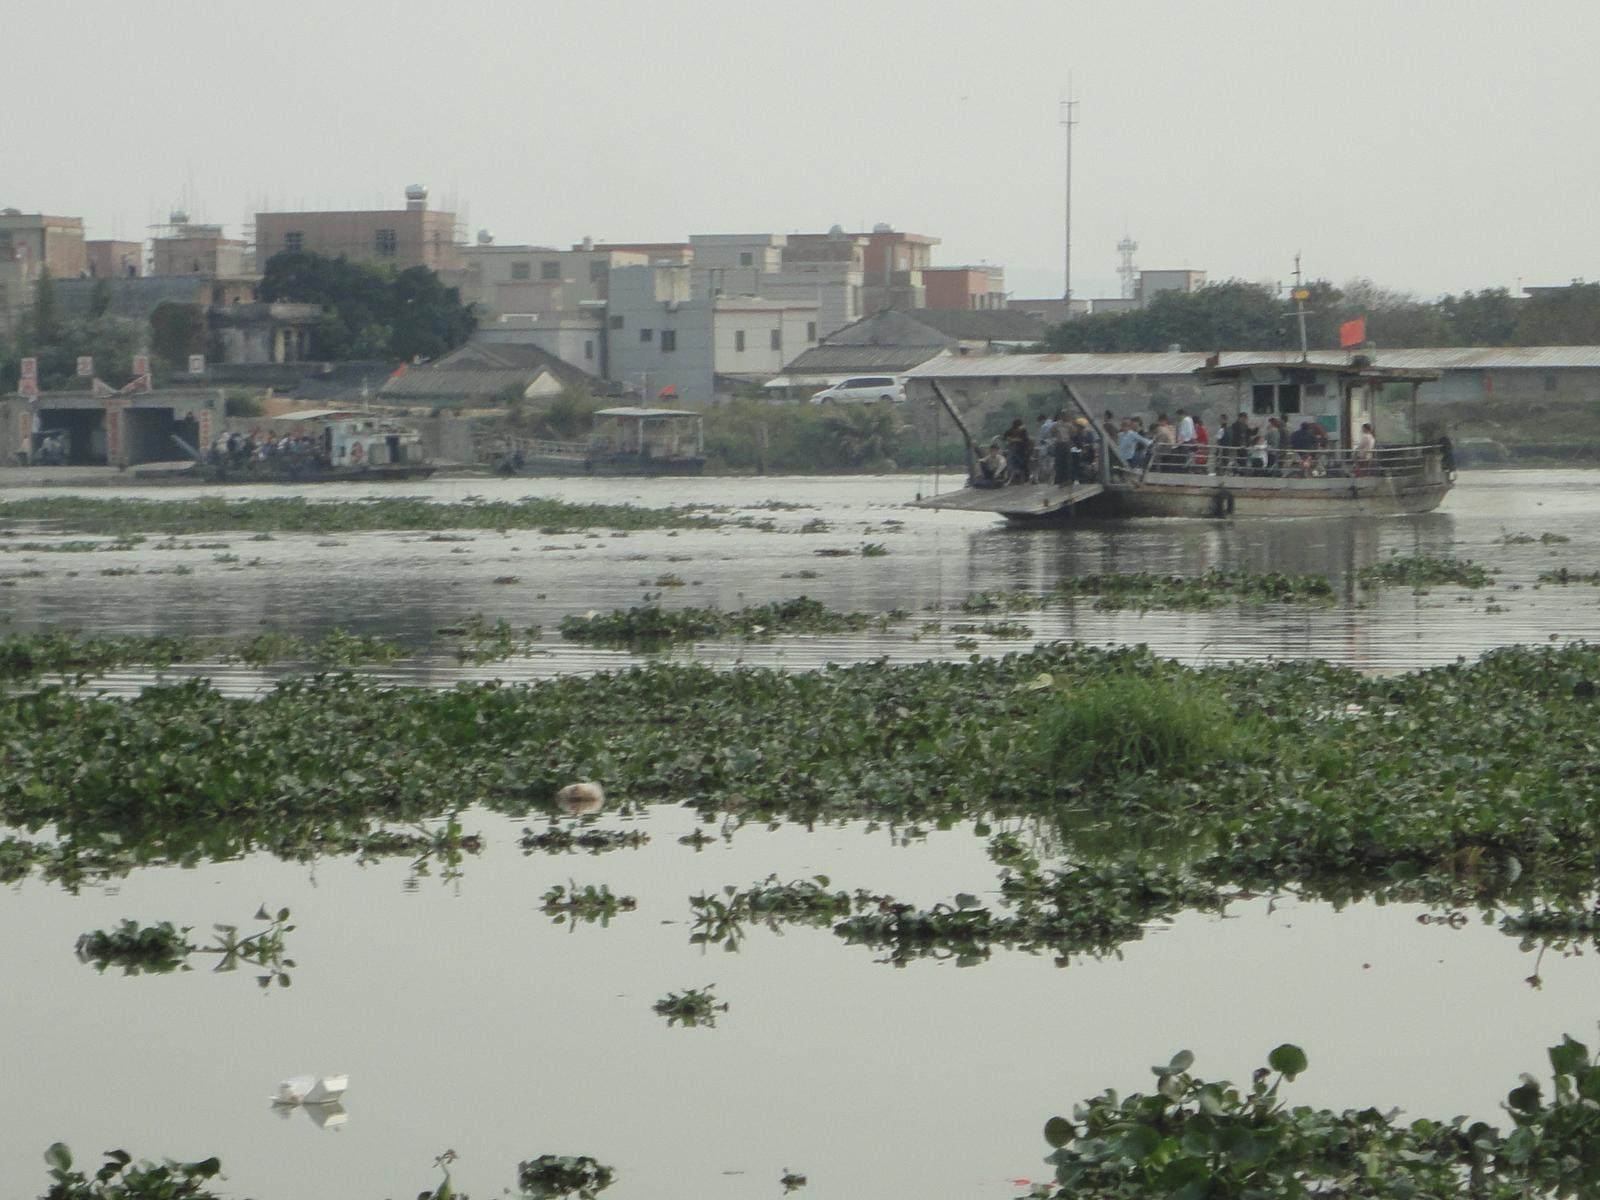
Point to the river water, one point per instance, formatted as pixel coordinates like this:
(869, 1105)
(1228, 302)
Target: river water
(468, 1021)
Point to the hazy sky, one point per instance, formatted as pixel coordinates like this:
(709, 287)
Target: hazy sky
(1432, 145)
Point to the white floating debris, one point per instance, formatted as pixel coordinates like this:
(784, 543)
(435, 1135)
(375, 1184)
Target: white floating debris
(311, 1089)
(578, 799)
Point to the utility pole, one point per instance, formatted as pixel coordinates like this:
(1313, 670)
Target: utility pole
(1301, 295)
(1068, 120)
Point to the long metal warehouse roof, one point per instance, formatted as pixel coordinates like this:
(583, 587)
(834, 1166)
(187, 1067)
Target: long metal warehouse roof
(1057, 366)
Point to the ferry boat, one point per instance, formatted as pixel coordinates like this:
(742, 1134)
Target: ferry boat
(624, 441)
(321, 446)
(1336, 394)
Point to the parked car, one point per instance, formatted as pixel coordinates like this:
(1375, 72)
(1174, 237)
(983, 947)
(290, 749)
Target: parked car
(863, 389)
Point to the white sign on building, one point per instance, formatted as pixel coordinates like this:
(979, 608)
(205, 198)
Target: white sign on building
(85, 366)
(30, 368)
(197, 364)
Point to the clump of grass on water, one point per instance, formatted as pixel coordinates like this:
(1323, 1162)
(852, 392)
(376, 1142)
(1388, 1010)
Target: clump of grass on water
(1129, 724)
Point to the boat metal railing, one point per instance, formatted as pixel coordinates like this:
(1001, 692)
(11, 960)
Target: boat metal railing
(505, 446)
(1392, 462)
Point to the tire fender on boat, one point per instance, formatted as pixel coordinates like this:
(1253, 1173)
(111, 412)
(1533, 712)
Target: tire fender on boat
(1222, 503)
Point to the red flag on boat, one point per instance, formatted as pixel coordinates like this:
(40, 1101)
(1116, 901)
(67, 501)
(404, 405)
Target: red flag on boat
(1353, 333)
(670, 392)
(398, 371)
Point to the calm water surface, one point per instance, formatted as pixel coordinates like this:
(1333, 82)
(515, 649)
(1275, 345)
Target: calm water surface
(468, 1021)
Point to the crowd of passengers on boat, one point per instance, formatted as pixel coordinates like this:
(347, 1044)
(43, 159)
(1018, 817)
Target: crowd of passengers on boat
(1066, 451)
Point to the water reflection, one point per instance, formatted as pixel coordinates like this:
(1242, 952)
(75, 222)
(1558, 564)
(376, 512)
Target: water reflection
(1391, 1009)
(406, 588)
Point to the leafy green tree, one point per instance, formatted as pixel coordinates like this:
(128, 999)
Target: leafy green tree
(1567, 316)
(177, 331)
(1486, 318)
(1230, 315)
(570, 415)
(864, 434)
(100, 301)
(371, 312)
(1393, 318)
(46, 313)
(110, 341)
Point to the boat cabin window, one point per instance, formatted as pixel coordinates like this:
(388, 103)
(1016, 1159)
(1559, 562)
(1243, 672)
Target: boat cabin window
(1269, 398)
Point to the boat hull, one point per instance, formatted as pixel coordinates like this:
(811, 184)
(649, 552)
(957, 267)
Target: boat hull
(305, 474)
(618, 465)
(1210, 496)
(1248, 497)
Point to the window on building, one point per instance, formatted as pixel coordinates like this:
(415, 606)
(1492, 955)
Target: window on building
(777, 339)
(616, 322)
(646, 335)
(811, 331)
(746, 259)
(738, 339)
(293, 241)
(521, 270)
(588, 349)
(669, 340)
(597, 270)
(550, 269)
(384, 242)
(1261, 398)
(1288, 398)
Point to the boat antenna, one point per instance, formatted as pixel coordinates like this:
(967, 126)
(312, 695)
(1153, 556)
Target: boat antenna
(1301, 295)
(1068, 118)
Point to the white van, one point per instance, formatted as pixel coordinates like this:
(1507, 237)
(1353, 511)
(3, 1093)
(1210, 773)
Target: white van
(863, 389)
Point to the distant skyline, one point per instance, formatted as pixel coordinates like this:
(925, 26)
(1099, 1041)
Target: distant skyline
(1430, 146)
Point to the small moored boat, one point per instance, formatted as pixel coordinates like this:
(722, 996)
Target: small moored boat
(625, 441)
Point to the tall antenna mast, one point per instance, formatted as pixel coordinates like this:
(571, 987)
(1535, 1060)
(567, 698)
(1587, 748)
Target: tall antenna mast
(1125, 267)
(1301, 295)
(1068, 120)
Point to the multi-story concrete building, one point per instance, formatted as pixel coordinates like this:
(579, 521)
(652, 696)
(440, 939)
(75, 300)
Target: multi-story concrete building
(415, 236)
(185, 247)
(29, 243)
(36, 240)
(665, 332)
(1153, 283)
(891, 263)
(893, 266)
(502, 280)
(776, 266)
(965, 287)
(113, 259)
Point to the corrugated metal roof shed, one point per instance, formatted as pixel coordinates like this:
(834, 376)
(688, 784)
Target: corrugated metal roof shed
(824, 360)
(1056, 366)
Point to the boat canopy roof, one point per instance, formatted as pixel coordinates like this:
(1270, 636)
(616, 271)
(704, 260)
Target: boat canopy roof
(1357, 369)
(998, 368)
(646, 412)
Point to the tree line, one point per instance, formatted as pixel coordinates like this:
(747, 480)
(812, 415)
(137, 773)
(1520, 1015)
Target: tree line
(1236, 315)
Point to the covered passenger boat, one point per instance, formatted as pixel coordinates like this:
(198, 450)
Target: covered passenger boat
(624, 441)
(1327, 399)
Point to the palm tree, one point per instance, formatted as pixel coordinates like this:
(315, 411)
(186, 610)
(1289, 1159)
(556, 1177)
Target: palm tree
(864, 434)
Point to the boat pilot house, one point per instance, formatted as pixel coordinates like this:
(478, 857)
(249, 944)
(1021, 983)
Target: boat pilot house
(1289, 435)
